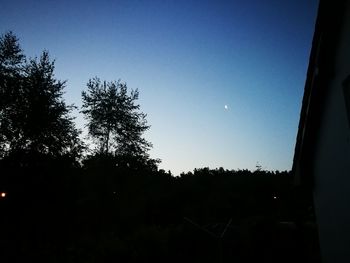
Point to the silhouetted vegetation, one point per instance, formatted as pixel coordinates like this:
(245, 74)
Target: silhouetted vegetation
(34, 119)
(116, 124)
(115, 205)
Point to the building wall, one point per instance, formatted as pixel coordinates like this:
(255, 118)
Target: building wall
(331, 163)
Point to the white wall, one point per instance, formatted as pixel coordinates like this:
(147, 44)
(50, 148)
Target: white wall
(332, 163)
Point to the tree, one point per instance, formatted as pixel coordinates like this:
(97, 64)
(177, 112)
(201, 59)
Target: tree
(34, 118)
(114, 120)
(11, 55)
(11, 76)
(48, 126)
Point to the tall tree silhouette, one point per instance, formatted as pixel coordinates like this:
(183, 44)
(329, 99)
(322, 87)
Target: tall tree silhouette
(34, 118)
(11, 79)
(114, 119)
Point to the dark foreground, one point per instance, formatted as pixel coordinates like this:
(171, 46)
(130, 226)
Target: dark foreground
(111, 214)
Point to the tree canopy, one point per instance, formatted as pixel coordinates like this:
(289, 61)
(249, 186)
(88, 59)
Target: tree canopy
(114, 119)
(34, 117)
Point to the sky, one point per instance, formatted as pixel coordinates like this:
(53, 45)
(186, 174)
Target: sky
(221, 82)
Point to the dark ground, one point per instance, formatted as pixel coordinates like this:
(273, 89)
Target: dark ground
(101, 214)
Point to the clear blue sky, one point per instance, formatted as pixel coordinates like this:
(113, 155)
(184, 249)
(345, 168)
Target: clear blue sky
(188, 59)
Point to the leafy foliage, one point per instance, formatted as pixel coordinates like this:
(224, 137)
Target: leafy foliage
(115, 122)
(33, 115)
(11, 79)
(11, 56)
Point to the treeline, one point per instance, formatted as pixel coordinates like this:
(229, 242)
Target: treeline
(104, 213)
(64, 201)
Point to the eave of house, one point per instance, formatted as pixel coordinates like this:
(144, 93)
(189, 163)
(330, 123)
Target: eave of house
(320, 71)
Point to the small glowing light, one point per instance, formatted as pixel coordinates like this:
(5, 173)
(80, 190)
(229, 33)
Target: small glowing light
(226, 107)
(275, 197)
(3, 194)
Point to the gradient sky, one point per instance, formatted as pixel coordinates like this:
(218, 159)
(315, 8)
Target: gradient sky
(188, 59)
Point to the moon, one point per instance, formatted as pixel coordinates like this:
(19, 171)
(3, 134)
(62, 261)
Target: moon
(226, 107)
